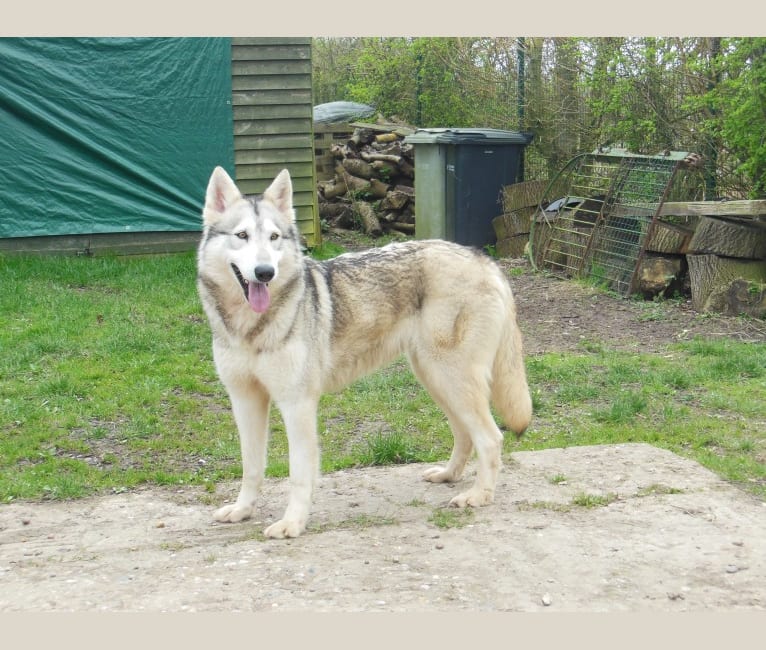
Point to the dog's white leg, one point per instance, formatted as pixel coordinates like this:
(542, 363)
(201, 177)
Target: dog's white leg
(465, 401)
(432, 378)
(301, 423)
(455, 467)
(488, 442)
(250, 405)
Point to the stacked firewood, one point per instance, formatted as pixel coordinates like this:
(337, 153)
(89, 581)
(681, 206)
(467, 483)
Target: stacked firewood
(373, 184)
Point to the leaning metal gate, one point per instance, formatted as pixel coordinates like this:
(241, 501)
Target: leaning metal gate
(609, 206)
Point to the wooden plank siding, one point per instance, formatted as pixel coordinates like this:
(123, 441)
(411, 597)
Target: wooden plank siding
(273, 126)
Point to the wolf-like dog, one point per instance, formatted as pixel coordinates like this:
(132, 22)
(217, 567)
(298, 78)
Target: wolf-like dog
(287, 328)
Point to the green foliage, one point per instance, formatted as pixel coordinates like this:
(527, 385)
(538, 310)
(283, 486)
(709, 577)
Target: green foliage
(390, 449)
(740, 101)
(423, 81)
(699, 94)
(413, 79)
(326, 250)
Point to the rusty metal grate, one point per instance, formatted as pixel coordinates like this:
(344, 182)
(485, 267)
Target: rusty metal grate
(608, 203)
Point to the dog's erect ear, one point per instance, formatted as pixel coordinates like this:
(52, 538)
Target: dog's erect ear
(221, 193)
(280, 193)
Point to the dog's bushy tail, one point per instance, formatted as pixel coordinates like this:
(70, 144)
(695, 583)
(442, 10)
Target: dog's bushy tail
(510, 392)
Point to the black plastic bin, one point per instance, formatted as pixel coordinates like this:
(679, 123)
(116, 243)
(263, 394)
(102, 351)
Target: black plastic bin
(459, 176)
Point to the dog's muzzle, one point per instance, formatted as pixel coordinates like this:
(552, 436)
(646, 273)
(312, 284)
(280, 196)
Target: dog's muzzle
(257, 292)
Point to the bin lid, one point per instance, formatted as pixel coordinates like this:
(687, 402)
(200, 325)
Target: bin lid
(468, 136)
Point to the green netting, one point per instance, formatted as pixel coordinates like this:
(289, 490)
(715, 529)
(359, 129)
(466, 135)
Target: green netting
(105, 135)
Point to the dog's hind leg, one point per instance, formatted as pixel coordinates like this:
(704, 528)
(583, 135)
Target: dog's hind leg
(488, 442)
(300, 419)
(462, 446)
(250, 404)
(465, 401)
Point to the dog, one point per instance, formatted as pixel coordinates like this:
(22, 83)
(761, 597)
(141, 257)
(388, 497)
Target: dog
(287, 328)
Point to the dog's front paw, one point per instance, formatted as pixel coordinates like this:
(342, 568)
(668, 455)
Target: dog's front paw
(233, 513)
(284, 528)
(474, 498)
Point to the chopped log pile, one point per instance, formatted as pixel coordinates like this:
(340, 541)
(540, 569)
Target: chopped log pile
(372, 187)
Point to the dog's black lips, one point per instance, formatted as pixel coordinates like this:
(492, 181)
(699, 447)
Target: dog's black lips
(242, 281)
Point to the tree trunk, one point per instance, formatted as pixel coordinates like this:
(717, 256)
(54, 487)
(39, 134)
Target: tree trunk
(729, 238)
(378, 188)
(727, 285)
(381, 157)
(669, 239)
(394, 201)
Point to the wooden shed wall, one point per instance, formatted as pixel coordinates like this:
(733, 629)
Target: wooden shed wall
(273, 126)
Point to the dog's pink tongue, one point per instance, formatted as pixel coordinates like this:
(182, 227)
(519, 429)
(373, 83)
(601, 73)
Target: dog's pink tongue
(258, 296)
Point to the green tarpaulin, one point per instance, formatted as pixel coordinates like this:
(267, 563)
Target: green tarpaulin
(111, 135)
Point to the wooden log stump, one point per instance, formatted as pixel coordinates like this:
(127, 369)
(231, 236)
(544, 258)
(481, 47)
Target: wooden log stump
(406, 228)
(513, 246)
(727, 285)
(729, 239)
(394, 201)
(660, 275)
(383, 138)
(361, 137)
(381, 157)
(407, 169)
(355, 184)
(370, 222)
(358, 168)
(378, 188)
(332, 210)
(522, 195)
(669, 238)
(511, 224)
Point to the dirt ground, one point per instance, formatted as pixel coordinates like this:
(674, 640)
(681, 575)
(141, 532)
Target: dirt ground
(669, 536)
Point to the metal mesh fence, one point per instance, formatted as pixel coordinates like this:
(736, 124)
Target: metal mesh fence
(598, 225)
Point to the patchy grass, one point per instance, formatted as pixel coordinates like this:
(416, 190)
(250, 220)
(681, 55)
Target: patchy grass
(452, 517)
(360, 522)
(107, 383)
(702, 399)
(585, 500)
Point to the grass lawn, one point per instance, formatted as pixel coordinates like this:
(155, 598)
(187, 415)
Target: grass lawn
(107, 383)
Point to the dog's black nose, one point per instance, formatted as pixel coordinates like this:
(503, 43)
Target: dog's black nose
(264, 273)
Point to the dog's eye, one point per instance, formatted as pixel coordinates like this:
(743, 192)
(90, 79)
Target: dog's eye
(274, 236)
(241, 234)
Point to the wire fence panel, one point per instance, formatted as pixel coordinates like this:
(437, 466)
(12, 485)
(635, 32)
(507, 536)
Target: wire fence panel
(598, 227)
